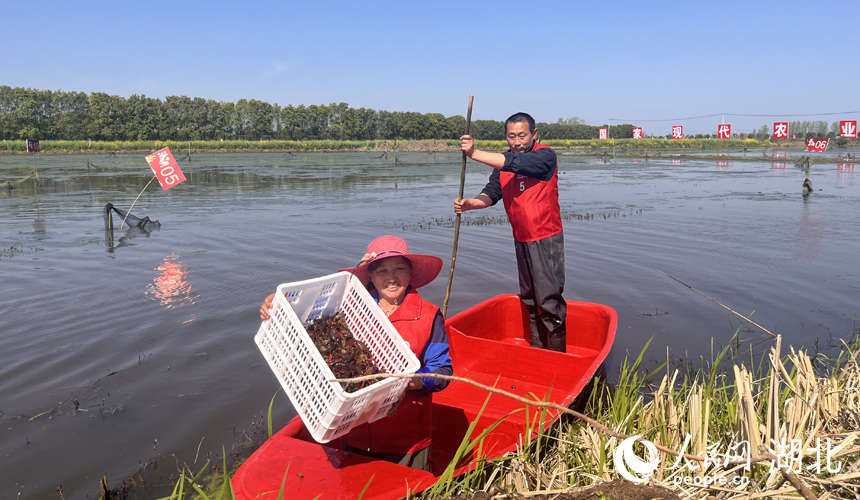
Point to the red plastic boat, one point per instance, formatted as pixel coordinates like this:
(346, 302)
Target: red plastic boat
(488, 345)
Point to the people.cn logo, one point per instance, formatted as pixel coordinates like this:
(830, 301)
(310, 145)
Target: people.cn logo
(627, 463)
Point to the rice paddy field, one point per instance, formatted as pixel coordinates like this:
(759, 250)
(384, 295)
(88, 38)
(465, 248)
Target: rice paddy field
(130, 355)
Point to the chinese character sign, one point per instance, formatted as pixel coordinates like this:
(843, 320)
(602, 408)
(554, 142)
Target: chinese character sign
(165, 168)
(817, 144)
(780, 130)
(724, 131)
(848, 128)
(603, 134)
(32, 145)
(677, 131)
(637, 132)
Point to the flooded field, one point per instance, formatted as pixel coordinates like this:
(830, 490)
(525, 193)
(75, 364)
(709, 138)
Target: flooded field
(137, 351)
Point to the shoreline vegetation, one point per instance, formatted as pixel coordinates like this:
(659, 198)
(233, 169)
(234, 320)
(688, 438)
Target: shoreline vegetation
(783, 425)
(725, 149)
(27, 113)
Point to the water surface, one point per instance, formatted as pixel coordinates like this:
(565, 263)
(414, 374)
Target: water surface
(112, 355)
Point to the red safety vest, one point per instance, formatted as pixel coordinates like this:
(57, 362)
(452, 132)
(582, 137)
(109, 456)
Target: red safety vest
(532, 204)
(409, 429)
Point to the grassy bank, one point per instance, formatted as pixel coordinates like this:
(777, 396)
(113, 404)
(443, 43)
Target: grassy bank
(721, 431)
(178, 147)
(718, 431)
(71, 147)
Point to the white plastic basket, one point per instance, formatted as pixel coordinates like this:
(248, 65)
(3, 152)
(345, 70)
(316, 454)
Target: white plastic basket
(327, 410)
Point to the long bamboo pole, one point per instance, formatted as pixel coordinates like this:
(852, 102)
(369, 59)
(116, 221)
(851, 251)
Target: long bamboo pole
(457, 226)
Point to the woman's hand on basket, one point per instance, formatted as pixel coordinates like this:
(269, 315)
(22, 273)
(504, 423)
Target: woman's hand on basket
(267, 304)
(415, 384)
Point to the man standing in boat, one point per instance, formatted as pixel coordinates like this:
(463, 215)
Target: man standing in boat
(525, 177)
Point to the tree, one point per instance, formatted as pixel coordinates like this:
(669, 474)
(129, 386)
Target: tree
(32, 113)
(457, 126)
(71, 115)
(107, 117)
(259, 118)
(488, 130)
(143, 119)
(389, 126)
(334, 121)
(8, 103)
(622, 131)
(575, 120)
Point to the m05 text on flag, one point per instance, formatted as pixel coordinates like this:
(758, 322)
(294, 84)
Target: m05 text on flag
(165, 168)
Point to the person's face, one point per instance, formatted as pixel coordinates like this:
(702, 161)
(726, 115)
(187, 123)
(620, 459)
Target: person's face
(519, 137)
(391, 277)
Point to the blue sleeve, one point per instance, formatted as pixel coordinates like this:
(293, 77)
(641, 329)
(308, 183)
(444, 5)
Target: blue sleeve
(538, 164)
(435, 358)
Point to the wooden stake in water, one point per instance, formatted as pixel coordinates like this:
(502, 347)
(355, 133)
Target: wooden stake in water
(457, 226)
(135, 201)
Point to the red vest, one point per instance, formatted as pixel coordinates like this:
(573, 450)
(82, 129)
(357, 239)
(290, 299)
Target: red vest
(409, 429)
(532, 204)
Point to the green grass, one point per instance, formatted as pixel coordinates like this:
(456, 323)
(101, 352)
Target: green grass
(807, 397)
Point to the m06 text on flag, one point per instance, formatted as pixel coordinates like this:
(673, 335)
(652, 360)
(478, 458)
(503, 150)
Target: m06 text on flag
(817, 144)
(165, 168)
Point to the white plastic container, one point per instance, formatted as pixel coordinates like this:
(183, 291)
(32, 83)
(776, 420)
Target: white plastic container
(327, 410)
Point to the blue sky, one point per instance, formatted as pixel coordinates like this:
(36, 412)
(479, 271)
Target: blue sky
(646, 63)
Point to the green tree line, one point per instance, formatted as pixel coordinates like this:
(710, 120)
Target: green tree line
(59, 115)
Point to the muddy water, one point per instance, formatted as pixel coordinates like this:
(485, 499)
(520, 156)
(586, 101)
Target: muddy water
(141, 353)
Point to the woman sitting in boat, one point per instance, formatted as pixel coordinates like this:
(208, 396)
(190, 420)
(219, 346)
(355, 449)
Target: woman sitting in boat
(393, 275)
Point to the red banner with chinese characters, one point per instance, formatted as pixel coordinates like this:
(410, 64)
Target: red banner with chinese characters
(603, 134)
(780, 130)
(165, 168)
(32, 145)
(848, 128)
(817, 144)
(724, 131)
(677, 131)
(637, 132)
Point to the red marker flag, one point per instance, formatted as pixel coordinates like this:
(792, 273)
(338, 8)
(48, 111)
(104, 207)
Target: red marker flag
(848, 128)
(817, 144)
(165, 168)
(780, 130)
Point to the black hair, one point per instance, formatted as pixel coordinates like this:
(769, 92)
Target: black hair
(519, 118)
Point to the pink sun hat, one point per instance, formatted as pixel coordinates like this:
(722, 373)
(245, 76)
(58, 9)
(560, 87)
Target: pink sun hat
(425, 268)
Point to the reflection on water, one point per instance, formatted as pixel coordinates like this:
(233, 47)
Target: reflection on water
(844, 175)
(809, 233)
(171, 286)
(39, 226)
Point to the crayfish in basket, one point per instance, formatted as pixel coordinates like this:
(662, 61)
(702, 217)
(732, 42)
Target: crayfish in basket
(346, 356)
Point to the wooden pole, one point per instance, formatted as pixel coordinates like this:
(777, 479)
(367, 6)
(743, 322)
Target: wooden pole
(457, 226)
(135, 201)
